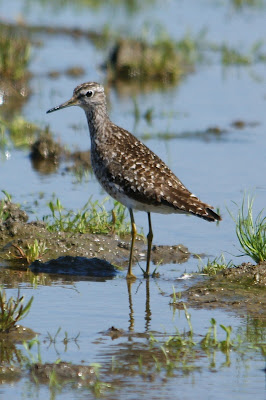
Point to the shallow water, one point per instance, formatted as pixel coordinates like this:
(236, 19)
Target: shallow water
(217, 169)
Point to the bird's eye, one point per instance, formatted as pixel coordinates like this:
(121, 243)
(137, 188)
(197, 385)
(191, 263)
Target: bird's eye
(89, 93)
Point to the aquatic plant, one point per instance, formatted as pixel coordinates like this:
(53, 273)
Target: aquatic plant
(181, 350)
(234, 56)
(22, 132)
(31, 358)
(175, 296)
(12, 310)
(214, 266)
(32, 252)
(14, 54)
(66, 340)
(4, 214)
(160, 59)
(89, 377)
(98, 386)
(92, 218)
(210, 340)
(250, 232)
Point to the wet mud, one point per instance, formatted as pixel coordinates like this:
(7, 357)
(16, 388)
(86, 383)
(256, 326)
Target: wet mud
(238, 289)
(18, 334)
(44, 373)
(16, 233)
(63, 372)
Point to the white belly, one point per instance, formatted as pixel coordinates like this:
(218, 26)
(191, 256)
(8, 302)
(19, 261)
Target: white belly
(117, 193)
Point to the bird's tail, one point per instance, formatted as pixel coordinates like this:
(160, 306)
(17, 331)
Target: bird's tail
(212, 216)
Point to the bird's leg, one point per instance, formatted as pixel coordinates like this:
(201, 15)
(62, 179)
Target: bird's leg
(133, 237)
(149, 238)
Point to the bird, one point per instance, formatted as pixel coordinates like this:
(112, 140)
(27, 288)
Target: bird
(129, 171)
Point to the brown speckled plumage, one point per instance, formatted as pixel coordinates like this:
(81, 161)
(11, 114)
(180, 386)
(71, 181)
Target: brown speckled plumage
(128, 170)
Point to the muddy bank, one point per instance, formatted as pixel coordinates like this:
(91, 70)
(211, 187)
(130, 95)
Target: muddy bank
(16, 233)
(240, 289)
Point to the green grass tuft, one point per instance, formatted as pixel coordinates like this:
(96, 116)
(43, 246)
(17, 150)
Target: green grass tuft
(4, 214)
(33, 251)
(92, 218)
(214, 266)
(251, 232)
(12, 310)
(14, 54)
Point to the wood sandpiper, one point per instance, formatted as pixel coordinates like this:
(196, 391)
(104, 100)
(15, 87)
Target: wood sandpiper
(129, 171)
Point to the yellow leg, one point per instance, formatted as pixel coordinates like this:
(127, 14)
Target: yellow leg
(133, 237)
(149, 238)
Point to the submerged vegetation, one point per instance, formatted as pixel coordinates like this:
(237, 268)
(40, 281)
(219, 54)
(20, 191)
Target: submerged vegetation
(181, 353)
(92, 218)
(159, 356)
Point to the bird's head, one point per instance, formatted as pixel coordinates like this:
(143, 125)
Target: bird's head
(87, 96)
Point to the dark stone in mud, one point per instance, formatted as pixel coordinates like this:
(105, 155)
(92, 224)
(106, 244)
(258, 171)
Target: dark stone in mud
(81, 266)
(64, 372)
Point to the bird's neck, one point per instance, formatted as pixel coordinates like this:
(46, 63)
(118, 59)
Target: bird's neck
(98, 120)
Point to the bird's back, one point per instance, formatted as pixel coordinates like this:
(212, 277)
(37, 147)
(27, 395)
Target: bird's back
(128, 170)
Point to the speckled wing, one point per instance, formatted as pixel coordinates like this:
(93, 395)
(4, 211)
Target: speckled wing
(143, 177)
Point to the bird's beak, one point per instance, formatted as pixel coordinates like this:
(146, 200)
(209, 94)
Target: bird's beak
(72, 102)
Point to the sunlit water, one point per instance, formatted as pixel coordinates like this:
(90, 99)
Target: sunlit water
(219, 171)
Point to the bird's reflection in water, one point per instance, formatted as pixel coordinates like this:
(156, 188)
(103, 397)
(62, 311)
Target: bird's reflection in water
(148, 313)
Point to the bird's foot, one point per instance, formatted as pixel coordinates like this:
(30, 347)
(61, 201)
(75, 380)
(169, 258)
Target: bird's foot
(131, 276)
